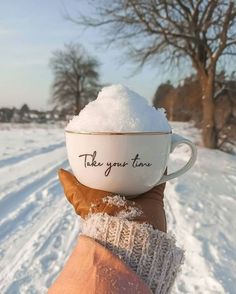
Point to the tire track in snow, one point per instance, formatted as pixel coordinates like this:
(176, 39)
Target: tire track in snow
(48, 235)
(38, 226)
(10, 177)
(25, 156)
(13, 200)
(27, 213)
(36, 264)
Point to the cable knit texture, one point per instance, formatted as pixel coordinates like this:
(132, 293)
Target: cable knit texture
(152, 254)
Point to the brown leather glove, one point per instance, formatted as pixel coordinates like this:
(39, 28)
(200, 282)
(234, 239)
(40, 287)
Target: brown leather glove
(149, 206)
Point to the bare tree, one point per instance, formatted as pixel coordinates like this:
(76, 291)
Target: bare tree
(75, 78)
(199, 30)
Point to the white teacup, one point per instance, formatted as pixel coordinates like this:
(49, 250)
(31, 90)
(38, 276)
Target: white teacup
(124, 163)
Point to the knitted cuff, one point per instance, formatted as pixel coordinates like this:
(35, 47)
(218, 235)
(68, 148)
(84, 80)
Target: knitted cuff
(152, 254)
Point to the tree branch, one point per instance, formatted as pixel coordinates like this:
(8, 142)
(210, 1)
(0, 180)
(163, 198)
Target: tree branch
(223, 34)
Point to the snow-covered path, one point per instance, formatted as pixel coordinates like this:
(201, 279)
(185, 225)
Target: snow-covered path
(38, 227)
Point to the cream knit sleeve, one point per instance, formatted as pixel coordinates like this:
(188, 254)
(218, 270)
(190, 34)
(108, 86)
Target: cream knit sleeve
(152, 254)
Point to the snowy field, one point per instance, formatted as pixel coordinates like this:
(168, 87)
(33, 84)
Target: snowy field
(38, 228)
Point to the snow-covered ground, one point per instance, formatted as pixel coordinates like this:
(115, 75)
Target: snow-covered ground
(38, 228)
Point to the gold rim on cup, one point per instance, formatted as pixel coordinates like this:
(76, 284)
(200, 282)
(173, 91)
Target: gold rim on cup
(121, 133)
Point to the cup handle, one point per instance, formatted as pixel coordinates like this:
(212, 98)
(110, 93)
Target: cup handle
(175, 141)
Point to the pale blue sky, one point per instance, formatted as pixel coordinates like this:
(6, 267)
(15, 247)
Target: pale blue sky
(31, 29)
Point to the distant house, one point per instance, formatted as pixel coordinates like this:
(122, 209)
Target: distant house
(27, 115)
(6, 114)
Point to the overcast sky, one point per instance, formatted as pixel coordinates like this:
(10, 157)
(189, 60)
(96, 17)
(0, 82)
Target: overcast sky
(31, 29)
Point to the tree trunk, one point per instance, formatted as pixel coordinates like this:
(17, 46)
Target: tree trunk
(77, 103)
(209, 134)
(78, 95)
(172, 107)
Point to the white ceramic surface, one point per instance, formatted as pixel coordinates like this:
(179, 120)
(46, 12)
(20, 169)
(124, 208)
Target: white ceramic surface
(124, 163)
